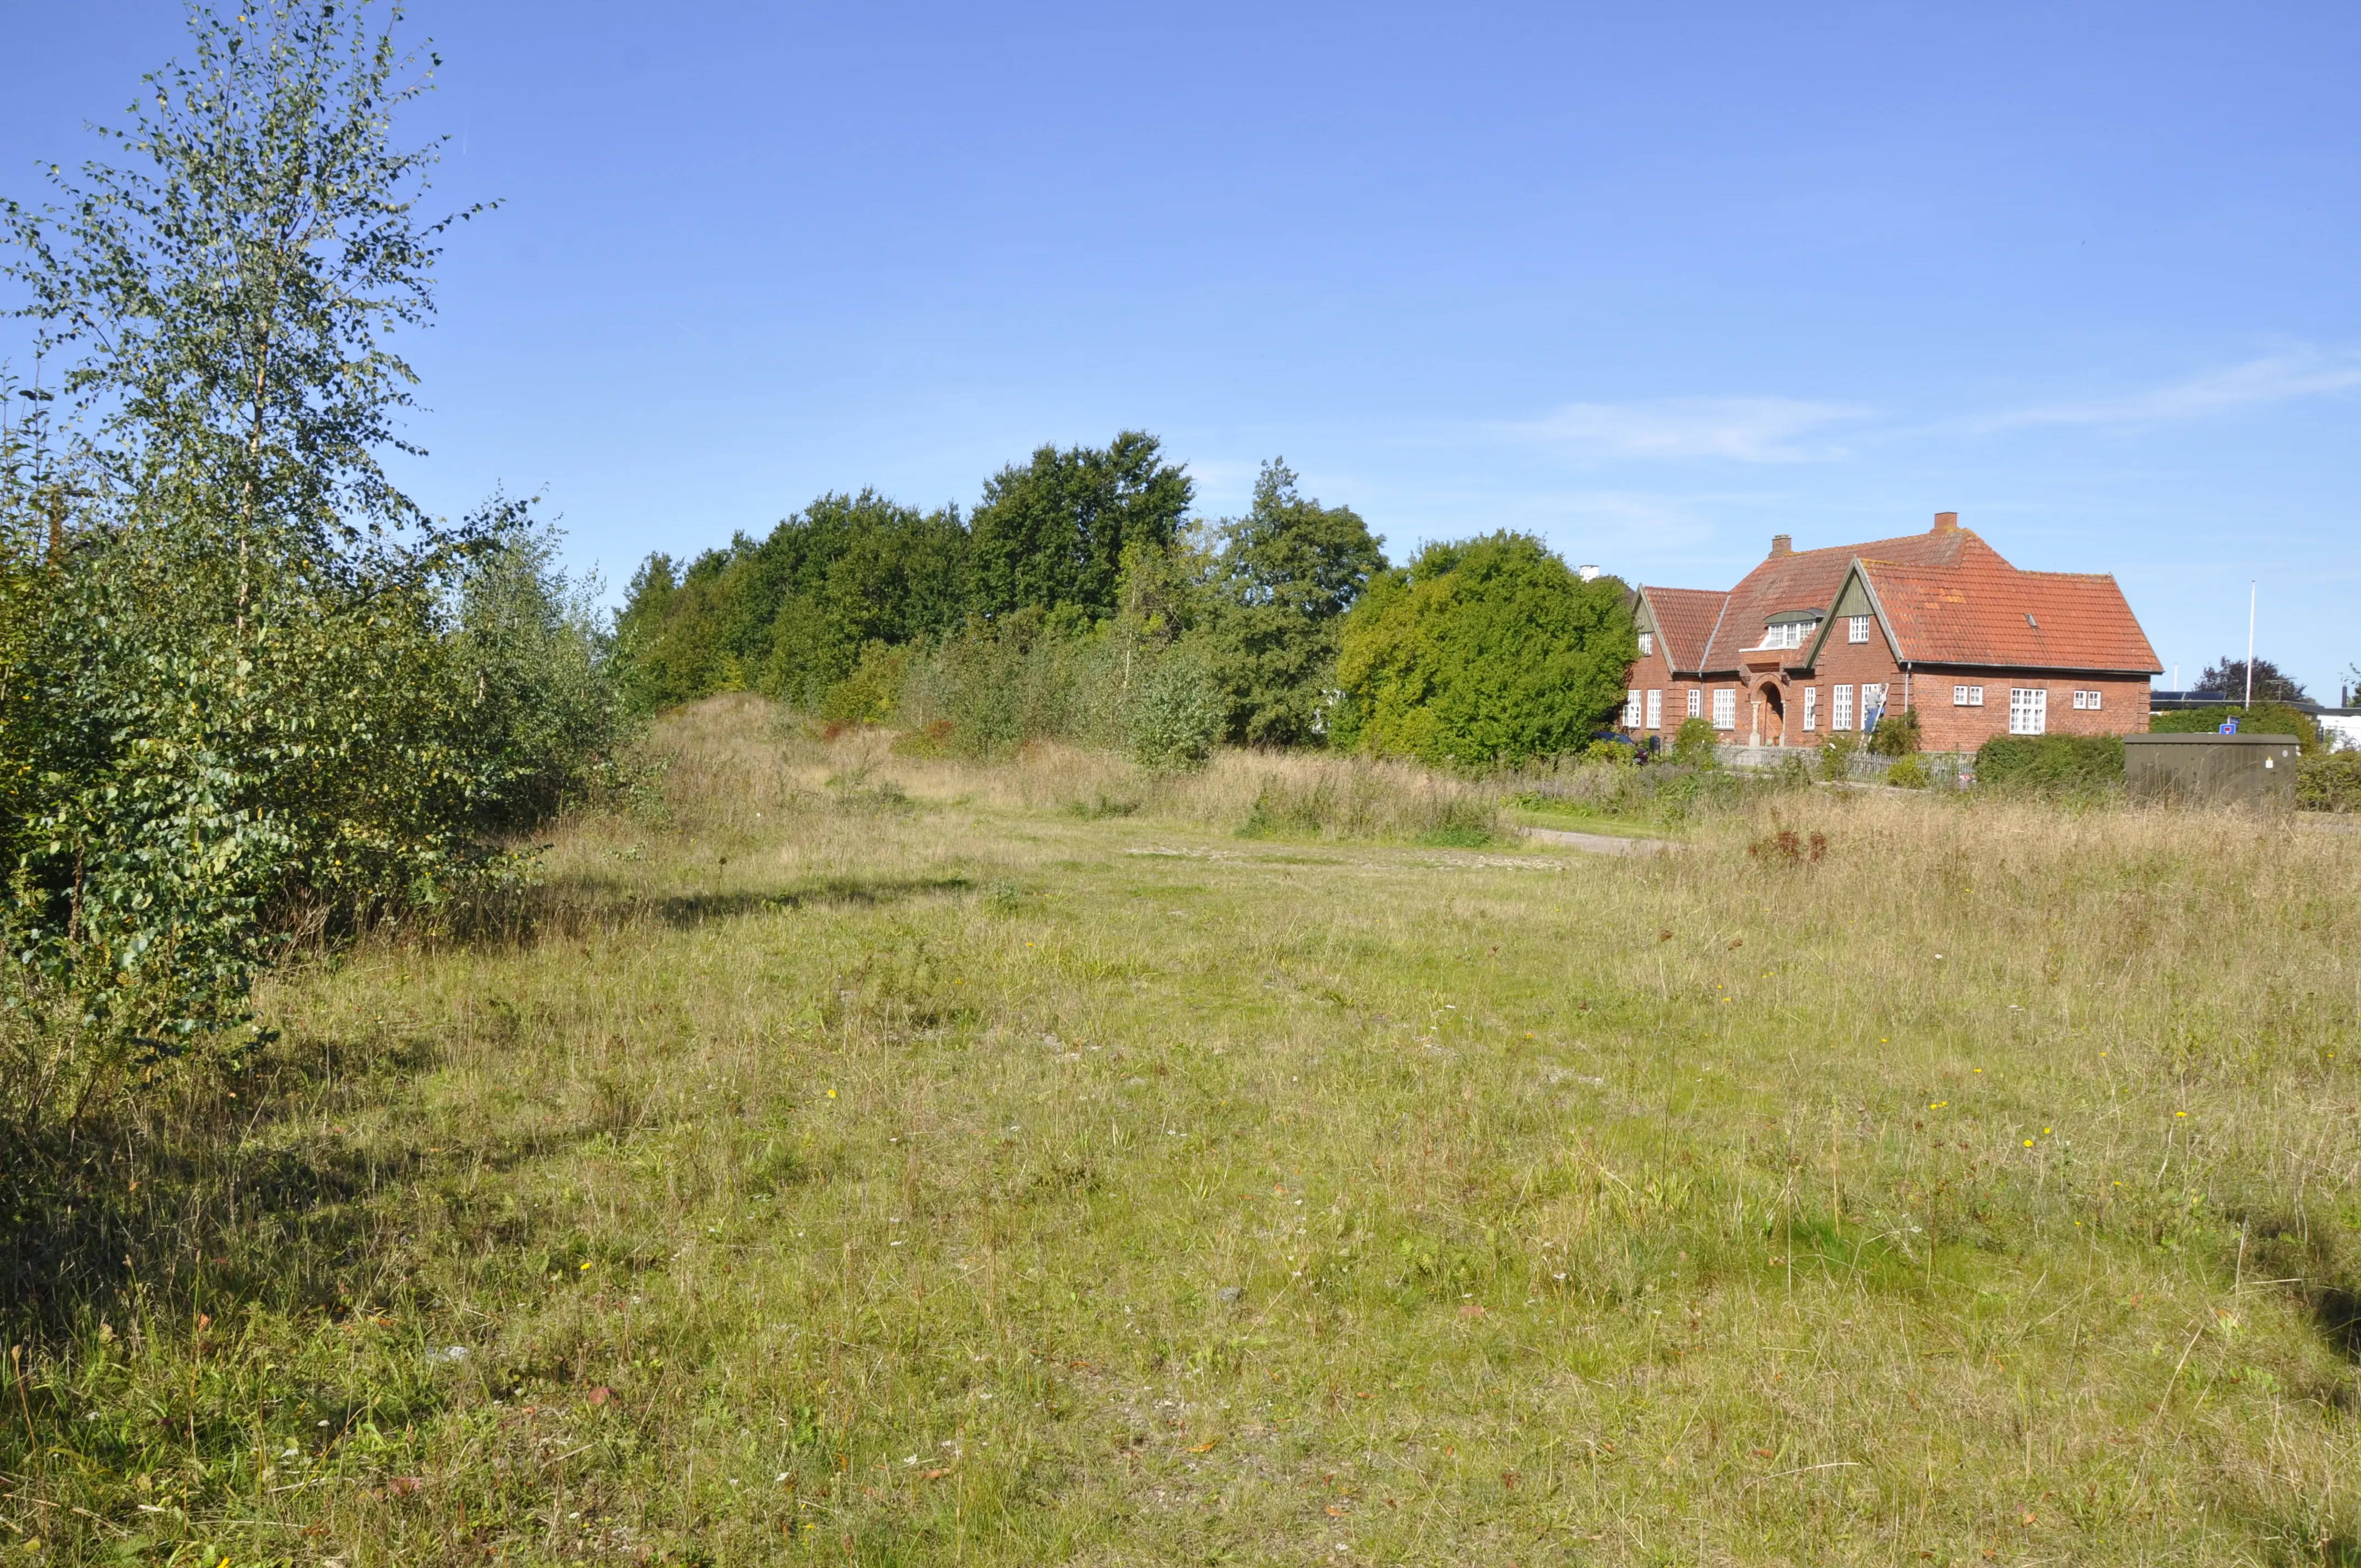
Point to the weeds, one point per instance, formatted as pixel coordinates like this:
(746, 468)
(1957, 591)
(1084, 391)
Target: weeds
(992, 1180)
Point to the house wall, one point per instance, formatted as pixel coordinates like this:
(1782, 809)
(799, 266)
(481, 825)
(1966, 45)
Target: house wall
(1946, 727)
(1943, 726)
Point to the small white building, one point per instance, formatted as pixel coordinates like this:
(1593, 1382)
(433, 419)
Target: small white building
(2341, 728)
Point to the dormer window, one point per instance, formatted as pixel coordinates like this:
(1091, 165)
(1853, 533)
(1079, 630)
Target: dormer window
(1789, 630)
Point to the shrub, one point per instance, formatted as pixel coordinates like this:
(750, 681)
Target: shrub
(1693, 743)
(2051, 765)
(253, 690)
(999, 683)
(531, 654)
(2331, 783)
(873, 691)
(2263, 719)
(1909, 773)
(1837, 753)
(1490, 650)
(1175, 714)
(1896, 734)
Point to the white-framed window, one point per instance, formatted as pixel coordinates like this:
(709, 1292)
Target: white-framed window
(1857, 631)
(1873, 703)
(1724, 708)
(1647, 642)
(1655, 710)
(1811, 707)
(2085, 698)
(1632, 709)
(1967, 697)
(1696, 703)
(2028, 710)
(1840, 707)
(1788, 634)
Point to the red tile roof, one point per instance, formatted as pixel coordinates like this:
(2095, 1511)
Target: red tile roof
(1685, 618)
(1949, 598)
(1988, 613)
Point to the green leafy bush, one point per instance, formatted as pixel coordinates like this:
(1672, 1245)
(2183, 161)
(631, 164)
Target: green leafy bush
(2263, 719)
(1896, 735)
(1908, 772)
(1837, 753)
(2330, 782)
(1693, 743)
(1482, 651)
(872, 693)
(251, 691)
(534, 677)
(1175, 713)
(2051, 765)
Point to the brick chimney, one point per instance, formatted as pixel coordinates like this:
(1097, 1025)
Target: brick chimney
(1946, 523)
(1782, 544)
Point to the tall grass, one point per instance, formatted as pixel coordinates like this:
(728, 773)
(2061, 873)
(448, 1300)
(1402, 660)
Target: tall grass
(890, 1159)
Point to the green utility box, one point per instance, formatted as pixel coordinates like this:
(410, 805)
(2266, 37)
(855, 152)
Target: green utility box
(2256, 771)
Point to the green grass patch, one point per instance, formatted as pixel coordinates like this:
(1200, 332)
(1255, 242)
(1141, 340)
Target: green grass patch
(1099, 1189)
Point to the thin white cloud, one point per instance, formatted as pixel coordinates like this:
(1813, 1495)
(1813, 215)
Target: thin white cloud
(2273, 378)
(1740, 430)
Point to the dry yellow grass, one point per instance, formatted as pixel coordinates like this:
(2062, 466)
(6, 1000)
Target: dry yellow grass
(888, 1160)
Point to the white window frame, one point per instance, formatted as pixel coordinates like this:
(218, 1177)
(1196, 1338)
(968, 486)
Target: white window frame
(1725, 707)
(1632, 709)
(1840, 707)
(1967, 697)
(1859, 631)
(1811, 707)
(1656, 709)
(2085, 699)
(1697, 702)
(2028, 710)
(1647, 642)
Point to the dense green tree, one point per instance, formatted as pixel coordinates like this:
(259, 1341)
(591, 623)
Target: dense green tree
(531, 651)
(250, 687)
(790, 615)
(857, 570)
(1490, 650)
(1285, 574)
(1053, 533)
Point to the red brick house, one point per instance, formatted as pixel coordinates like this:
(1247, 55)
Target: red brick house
(1819, 641)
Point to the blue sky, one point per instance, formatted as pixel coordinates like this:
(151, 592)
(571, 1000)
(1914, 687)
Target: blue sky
(1653, 283)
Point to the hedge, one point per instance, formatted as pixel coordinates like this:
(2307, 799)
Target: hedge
(2051, 765)
(2263, 719)
(2331, 783)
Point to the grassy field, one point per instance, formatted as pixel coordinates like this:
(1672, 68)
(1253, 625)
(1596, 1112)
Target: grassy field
(872, 1159)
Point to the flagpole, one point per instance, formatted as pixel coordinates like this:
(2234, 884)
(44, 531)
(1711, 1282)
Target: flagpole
(2250, 641)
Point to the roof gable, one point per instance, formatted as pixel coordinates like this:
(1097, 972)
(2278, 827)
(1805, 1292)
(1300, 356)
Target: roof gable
(1808, 579)
(1685, 620)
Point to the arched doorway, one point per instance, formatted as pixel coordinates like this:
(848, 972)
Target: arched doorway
(1774, 712)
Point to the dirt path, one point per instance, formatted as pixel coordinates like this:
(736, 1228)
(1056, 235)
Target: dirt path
(1597, 843)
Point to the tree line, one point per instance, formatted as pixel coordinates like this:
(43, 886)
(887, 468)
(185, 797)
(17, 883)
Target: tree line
(1080, 599)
